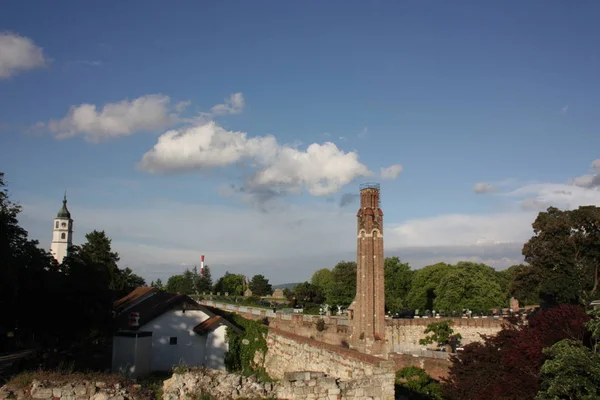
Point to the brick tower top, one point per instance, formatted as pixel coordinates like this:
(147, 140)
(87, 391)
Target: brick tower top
(369, 195)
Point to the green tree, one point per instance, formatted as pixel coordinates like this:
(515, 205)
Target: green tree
(322, 278)
(442, 334)
(205, 283)
(571, 371)
(414, 383)
(158, 284)
(260, 286)
(524, 284)
(181, 283)
(565, 249)
(343, 288)
(230, 283)
(98, 251)
(424, 284)
(469, 285)
(308, 293)
(398, 278)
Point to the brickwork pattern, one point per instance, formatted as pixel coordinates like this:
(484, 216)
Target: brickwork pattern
(369, 303)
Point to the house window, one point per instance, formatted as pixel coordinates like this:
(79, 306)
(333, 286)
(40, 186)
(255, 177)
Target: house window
(63, 235)
(173, 340)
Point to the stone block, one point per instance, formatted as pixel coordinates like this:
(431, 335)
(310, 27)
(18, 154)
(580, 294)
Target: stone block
(80, 390)
(56, 392)
(100, 396)
(41, 393)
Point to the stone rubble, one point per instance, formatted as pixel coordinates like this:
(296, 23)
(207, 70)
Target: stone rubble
(84, 390)
(221, 385)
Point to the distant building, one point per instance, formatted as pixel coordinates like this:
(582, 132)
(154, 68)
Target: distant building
(278, 294)
(62, 233)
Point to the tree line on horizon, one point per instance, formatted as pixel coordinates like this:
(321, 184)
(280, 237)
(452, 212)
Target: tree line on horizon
(561, 262)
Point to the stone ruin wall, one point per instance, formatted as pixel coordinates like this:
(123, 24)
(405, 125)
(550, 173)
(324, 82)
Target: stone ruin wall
(344, 371)
(74, 390)
(293, 385)
(289, 352)
(402, 335)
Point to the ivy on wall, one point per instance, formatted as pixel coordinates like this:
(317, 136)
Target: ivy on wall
(247, 350)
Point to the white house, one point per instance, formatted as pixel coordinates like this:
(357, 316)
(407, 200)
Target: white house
(157, 331)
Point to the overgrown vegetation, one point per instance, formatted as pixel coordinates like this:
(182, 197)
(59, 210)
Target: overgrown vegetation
(442, 334)
(247, 350)
(415, 383)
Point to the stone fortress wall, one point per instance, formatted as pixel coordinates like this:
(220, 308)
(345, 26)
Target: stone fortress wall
(402, 335)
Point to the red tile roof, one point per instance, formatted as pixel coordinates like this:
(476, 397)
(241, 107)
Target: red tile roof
(150, 303)
(136, 295)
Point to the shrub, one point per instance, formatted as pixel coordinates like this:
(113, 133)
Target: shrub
(442, 334)
(415, 383)
(513, 357)
(320, 325)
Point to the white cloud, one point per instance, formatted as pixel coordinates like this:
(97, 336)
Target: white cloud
(321, 169)
(591, 180)
(146, 113)
(564, 110)
(483, 187)
(391, 172)
(364, 133)
(19, 53)
(233, 105)
(462, 230)
(155, 236)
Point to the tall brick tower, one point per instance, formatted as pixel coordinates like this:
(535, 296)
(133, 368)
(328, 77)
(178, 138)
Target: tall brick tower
(369, 304)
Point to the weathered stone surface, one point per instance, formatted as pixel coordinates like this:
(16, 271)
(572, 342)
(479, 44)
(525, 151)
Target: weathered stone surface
(295, 386)
(80, 390)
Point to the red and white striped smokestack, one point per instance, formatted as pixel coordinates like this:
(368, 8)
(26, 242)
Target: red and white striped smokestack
(202, 264)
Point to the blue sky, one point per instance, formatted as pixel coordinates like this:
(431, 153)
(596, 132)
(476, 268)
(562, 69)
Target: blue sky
(202, 127)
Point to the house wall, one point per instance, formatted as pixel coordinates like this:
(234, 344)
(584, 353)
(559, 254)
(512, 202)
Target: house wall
(132, 353)
(191, 349)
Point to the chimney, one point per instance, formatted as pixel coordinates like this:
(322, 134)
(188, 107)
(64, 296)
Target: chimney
(134, 319)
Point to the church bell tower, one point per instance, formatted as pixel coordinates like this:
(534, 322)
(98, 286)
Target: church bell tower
(369, 304)
(62, 233)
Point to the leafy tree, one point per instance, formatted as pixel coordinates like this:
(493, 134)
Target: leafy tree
(469, 285)
(204, 282)
(414, 383)
(442, 334)
(182, 283)
(513, 357)
(260, 286)
(572, 371)
(97, 251)
(307, 293)
(323, 279)
(566, 250)
(158, 284)
(398, 278)
(343, 288)
(230, 283)
(524, 284)
(424, 284)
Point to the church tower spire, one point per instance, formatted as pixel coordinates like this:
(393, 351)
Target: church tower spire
(62, 233)
(369, 305)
